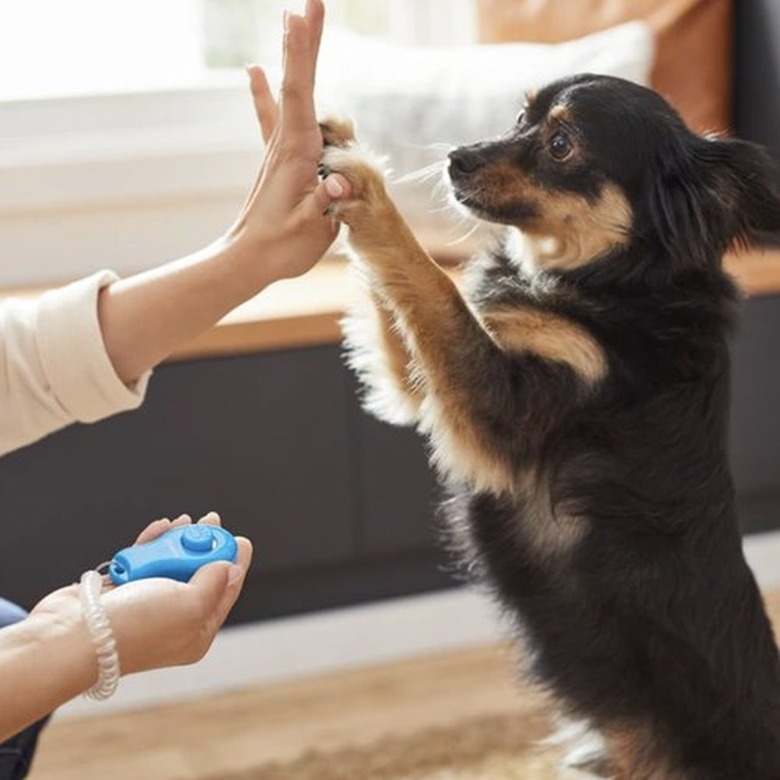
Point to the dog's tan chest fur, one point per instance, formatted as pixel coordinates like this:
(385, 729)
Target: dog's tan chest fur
(549, 335)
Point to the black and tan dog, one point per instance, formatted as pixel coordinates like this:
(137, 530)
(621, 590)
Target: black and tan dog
(575, 400)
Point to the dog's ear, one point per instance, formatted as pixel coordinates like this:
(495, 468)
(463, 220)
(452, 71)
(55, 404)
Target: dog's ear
(710, 193)
(744, 182)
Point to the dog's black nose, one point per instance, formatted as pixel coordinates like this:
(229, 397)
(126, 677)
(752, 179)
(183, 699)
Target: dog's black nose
(464, 161)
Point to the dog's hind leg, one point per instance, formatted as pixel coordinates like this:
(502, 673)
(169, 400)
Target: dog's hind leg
(376, 351)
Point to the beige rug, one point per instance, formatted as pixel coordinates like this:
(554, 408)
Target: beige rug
(453, 716)
(500, 747)
(494, 748)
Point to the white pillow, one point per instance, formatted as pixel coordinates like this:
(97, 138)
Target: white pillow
(411, 104)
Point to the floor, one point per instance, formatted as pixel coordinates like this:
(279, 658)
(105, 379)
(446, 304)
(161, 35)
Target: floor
(208, 738)
(279, 721)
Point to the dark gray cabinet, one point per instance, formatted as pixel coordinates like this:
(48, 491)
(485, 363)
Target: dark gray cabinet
(757, 74)
(397, 491)
(263, 440)
(341, 507)
(755, 418)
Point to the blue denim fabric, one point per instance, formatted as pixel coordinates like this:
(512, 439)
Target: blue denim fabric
(17, 753)
(10, 613)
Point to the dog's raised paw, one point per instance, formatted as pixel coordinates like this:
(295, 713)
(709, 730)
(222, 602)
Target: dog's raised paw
(365, 172)
(337, 131)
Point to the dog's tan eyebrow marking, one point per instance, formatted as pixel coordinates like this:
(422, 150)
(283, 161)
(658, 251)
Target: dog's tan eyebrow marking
(550, 336)
(560, 113)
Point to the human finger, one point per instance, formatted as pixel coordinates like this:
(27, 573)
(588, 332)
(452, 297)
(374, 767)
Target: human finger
(218, 586)
(159, 527)
(153, 530)
(265, 106)
(236, 576)
(296, 104)
(210, 518)
(184, 519)
(315, 19)
(333, 187)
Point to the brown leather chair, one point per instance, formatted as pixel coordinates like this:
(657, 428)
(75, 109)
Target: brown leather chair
(693, 68)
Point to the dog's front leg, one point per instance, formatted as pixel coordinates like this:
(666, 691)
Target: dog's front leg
(462, 374)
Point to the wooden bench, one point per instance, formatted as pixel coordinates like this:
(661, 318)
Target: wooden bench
(305, 311)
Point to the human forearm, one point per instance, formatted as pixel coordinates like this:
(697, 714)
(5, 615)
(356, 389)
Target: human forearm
(45, 661)
(146, 317)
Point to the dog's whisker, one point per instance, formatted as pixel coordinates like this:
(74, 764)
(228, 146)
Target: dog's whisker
(432, 147)
(445, 208)
(421, 174)
(442, 188)
(474, 228)
(444, 146)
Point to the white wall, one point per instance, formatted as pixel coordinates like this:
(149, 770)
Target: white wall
(124, 181)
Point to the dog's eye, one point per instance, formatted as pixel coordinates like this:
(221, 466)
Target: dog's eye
(560, 145)
(520, 117)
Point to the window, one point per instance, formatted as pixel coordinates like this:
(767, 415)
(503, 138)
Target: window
(51, 48)
(126, 132)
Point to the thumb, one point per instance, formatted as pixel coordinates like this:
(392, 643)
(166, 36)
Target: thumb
(332, 188)
(211, 582)
(221, 582)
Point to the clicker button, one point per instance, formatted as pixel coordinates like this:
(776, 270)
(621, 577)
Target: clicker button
(197, 538)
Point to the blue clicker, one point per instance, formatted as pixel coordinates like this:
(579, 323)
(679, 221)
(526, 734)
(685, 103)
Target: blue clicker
(176, 554)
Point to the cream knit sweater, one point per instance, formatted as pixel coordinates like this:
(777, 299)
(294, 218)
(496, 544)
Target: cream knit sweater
(54, 369)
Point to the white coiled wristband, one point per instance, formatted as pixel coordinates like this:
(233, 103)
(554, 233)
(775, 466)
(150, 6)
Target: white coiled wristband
(99, 629)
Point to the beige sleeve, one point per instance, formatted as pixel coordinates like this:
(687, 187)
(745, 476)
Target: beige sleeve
(54, 369)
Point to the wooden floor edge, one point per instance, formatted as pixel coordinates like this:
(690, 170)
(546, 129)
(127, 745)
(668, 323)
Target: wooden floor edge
(305, 312)
(756, 273)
